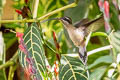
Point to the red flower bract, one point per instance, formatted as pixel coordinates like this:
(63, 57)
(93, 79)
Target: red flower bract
(56, 68)
(27, 74)
(19, 11)
(26, 1)
(55, 40)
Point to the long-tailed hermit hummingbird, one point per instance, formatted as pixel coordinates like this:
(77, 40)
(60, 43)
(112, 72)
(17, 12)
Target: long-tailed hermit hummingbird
(78, 31)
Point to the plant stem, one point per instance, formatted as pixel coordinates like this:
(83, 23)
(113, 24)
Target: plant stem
(99, 49)
(92, 51)
(35, 8)
(57, 10)
(113, 49)
(42, 17)
(17, 21)
(10, 62)
(88, 39)
(11, 72)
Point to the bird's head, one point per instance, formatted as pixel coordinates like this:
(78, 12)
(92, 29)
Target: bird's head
(66, 20)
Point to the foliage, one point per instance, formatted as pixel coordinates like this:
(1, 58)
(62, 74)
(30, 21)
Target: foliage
(44, 49)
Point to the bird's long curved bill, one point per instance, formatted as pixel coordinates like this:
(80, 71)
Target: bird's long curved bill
(50, 19)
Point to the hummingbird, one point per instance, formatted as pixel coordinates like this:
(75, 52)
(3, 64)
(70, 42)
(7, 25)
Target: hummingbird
(79, 31)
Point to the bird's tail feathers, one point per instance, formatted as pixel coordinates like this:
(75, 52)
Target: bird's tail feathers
(83, 54)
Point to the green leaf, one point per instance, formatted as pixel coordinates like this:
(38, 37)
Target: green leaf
(2, 73)
(50, 52)
(9, 39)
(114, 19)
(2, 57)
(103, 59)
(93, 9)
(72, 69)
(80, 10)
(115, 40)
(33, 42)
(97, 73)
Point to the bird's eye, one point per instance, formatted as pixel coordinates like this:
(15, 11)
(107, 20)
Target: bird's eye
(67, 19)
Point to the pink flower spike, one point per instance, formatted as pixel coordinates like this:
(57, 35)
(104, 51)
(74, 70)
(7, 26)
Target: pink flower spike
(32, 69)
(100, 3)
(107, 27)
(21, 47)
(48, 67)
(106, 6)
(35, 78)
(18, 34)
(29, 60)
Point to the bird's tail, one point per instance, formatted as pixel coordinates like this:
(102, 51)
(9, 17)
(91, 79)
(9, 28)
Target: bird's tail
(83, 54)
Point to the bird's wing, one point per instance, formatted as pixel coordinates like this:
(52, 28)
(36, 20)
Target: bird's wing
(81, 22)
(92, 25)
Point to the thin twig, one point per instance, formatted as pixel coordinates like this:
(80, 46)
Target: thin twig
(92, 51)
(42, 17)
(10, 62)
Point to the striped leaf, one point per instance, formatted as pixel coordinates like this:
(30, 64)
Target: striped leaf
(72, 69)
(115, 40)
(33, 42)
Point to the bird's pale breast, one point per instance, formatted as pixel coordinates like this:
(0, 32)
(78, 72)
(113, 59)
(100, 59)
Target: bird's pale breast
(76, 36)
